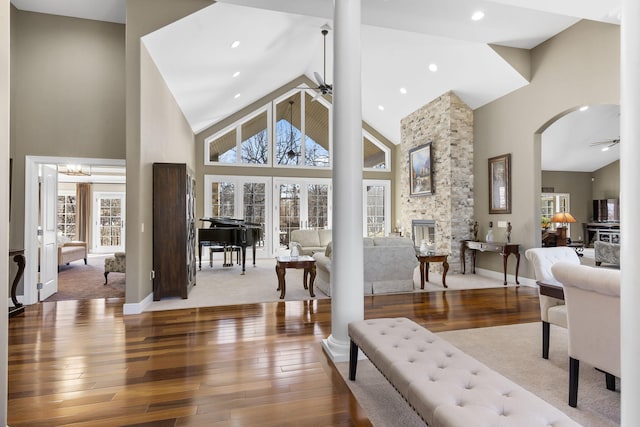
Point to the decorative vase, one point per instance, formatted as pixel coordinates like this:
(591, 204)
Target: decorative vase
(424, 247)
(489, 236)
(294, 250)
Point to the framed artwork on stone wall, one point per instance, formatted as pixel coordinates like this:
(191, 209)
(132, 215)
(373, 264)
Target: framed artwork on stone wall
(421, 170)
(500, 184)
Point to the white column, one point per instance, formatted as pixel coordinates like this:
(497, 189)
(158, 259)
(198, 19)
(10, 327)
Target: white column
(630, 206)
(347, 276)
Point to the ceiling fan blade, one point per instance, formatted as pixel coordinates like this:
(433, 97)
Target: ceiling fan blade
(319, 79)
(613, 141)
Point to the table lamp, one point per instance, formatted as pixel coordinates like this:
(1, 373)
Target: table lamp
(561, 231)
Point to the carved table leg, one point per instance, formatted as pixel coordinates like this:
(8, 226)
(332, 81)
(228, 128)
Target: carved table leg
(421, 274)
(17, 306)
(445, 268)
(280, 271)
(517, 266)
(312, 270)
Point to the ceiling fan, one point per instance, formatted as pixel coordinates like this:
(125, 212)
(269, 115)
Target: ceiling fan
(606, 144)
(323, 87)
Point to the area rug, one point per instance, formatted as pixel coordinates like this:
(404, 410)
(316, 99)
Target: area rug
(513, 351)
(78, 281)
(217, 285)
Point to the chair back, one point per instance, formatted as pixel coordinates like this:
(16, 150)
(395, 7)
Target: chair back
(592, 297)
(543, 258)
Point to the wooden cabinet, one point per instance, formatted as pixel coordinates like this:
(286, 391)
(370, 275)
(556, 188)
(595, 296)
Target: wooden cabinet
(174, 236)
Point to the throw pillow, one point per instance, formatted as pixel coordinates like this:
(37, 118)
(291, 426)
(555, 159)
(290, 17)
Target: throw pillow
(327, 251)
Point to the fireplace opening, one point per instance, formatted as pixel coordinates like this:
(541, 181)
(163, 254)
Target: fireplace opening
(423, 229)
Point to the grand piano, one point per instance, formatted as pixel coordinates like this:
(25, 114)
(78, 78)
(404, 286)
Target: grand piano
(229, 233)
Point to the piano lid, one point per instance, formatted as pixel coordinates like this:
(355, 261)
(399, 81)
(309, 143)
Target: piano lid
(221, 221)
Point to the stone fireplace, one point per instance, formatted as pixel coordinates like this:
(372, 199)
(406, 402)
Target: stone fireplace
(448, 123)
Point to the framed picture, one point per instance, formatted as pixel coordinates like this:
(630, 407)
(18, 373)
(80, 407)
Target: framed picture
(500, 184)
(421, 170)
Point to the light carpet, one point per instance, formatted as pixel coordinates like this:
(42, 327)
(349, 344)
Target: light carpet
(218, 285)
(513, 351)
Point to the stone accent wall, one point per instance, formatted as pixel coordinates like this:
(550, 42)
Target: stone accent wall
(448, 123)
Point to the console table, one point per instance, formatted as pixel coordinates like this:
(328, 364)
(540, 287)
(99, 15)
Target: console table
(502, 248)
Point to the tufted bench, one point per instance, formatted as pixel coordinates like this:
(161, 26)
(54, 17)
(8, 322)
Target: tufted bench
(445, 386)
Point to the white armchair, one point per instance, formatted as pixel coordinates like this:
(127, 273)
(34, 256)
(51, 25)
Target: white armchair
(552, 310)
(592, 297)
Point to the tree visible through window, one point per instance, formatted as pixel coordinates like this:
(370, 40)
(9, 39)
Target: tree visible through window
(67, 216)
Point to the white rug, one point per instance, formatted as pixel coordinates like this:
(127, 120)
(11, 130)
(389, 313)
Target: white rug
(513, 351)
(217, 285)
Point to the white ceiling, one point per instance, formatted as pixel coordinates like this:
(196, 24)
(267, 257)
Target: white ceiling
(281, 40)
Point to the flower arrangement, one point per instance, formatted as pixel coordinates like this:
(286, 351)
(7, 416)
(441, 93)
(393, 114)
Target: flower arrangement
(545, 222)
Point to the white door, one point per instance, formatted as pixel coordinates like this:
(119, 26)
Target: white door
(108, 220)
(48, 243)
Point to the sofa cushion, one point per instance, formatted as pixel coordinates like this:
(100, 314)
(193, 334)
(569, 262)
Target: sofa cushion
(392, 241)
(325, 237)
(306, 237)
(368, 242)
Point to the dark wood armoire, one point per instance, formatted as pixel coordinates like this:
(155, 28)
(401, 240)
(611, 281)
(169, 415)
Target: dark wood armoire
(174, 234)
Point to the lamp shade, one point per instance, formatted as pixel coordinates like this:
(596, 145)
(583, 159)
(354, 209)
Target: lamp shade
(563, 217)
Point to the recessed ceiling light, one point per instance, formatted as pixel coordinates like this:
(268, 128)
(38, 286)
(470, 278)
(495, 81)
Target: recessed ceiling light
(403, 90)
(381, 107)
(236, 96)
(235, 44)
(236, 74)
(477, 15)
(433, 68)
(584, 108)
(605, 148)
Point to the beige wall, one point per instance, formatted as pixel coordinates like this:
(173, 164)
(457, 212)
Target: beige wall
(143, 17)
(578, 185)
(4, 195)
(606, 182)
(67, 94)
(578, 66)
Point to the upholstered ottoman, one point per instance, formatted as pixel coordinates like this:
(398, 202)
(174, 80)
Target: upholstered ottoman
(445, 386)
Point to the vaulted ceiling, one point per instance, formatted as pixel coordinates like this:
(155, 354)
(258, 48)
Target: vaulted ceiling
(280, 40)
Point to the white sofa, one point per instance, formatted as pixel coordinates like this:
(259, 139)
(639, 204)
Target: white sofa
(389, 263)
(592, 296)
(311, 240)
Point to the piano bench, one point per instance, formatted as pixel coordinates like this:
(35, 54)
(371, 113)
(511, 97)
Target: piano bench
(225, 249)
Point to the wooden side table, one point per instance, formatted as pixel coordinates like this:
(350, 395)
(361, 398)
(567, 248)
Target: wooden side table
(425, 259)
(303, 261)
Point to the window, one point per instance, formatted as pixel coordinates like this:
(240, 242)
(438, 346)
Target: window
(551, 203)
(67, 215)
(375, 154)
(299, 135)
(377, 207)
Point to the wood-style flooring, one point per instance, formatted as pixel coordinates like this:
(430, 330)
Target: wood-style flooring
(81, 363)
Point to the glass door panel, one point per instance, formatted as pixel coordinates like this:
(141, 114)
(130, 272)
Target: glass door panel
(109, 222)
(317, 206)
(289, 212)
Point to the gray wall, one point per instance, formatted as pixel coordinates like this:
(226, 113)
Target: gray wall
(67, 94)
(606, 182)
(578, 66)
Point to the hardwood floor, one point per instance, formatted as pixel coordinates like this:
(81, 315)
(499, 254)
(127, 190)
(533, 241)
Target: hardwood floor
(82, 363)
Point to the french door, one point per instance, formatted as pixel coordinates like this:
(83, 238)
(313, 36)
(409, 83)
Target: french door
(240, 197)
(108, 222)
(299, 203)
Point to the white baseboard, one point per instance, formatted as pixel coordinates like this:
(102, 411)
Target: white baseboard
(511, 279)
(137, 307)
(20, 299)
